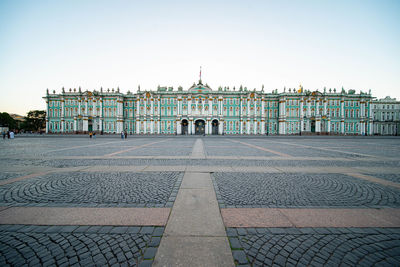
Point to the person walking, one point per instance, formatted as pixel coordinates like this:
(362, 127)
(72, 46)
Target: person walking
(90, 135)
(4, 134)
(126, 134)
(122, 135)
(8, 134)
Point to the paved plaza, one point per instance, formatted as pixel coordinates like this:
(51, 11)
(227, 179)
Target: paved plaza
(200, 201)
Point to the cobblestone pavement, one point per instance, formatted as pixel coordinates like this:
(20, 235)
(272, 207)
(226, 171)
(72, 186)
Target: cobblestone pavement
(250, 171)
(30, 245)
(62, 163)
(157, 189)
(315, 246)
(300, 190)
(393, 177)
(10, 175)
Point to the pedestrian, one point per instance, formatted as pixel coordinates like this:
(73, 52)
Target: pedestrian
(8, 134)
(12, 135)
(4, 134)
(90, 135)
(122, 135)
(94, 135)
(126, 134)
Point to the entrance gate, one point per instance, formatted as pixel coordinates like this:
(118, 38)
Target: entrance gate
(184, 126)
(214, 124)
(199, 127)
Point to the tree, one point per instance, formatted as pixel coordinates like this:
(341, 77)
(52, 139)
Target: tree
(35, 120)
(7, 120)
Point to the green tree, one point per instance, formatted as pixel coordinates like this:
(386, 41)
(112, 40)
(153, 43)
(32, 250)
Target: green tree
(35, 120)
(7, 120)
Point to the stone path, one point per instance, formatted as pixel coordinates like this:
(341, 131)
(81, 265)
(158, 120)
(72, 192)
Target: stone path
(195, 234)
(203, 201)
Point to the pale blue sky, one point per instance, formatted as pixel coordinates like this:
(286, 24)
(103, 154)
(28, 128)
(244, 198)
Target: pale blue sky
(50, 44)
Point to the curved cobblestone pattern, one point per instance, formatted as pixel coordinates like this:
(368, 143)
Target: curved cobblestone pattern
(115, 189)
(315, 247)
(300, 190)
(78, 246)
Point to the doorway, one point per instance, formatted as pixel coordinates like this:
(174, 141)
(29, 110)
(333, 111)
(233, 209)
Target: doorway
(184, 124)
(90, 125)
(214, 124)
(199, 127)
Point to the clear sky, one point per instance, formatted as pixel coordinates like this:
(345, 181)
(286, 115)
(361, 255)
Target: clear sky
(51, 44)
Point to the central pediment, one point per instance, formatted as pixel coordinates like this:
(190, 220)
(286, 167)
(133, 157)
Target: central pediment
(199, 88)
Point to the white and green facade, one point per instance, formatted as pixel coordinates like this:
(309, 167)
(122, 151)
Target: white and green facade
(201, 110)
(386, 114)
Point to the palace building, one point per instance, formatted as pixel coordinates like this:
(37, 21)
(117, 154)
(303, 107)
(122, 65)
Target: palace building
(202, 110)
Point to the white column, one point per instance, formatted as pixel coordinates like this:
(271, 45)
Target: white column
(370, 119)
(137, 126)
(318, 125)
(301, 115)
(86, 106)
(159, 126)
(178, 127)
(328, 128)
(85, 124)
(255, 127)
(206, 127)
(75, 124)
(101, 115)
(193, 127)
(137, 107)
(282, 116)
(248, 126)
(308, 108)
(47, 116)
(262, 126)
(152, 126)
(209, 125)
(241, 126)
(262, 107)
(325, 104)
(342, 116)
(189, 106)
(221, 126)
(145, 126)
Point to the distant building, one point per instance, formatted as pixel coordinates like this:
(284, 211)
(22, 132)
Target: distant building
(386, 112)
(201, 110)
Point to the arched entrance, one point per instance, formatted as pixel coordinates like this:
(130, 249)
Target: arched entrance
(214, 124)
(90, 125)
(200, 127)
(184, 124)
(313, 126)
